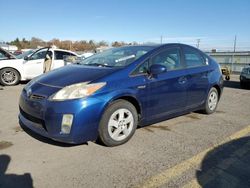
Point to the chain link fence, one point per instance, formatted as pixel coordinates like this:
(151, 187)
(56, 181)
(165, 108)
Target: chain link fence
(235, 61)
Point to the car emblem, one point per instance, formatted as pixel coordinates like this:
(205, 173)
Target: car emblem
(29, 92)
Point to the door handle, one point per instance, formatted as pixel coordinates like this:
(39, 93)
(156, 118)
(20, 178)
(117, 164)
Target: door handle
(38, 62)
(182, 80)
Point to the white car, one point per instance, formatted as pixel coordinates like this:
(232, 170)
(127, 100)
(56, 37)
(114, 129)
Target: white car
(14, 70)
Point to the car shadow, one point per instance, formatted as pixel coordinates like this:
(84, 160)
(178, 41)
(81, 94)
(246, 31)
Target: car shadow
(227, 165)
(13, 180)
(20, 83)
(46, 140)
(233, 84)
(24, 82)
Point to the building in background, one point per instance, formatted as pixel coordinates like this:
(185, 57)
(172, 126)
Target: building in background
(10, 48)
(234, 60)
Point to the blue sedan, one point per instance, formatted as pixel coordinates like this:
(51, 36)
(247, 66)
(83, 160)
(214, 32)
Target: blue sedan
(108, 95)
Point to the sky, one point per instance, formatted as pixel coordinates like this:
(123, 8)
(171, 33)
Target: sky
(214, 22)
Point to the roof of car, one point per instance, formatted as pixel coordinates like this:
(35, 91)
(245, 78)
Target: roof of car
(57, 49)
(161, 45)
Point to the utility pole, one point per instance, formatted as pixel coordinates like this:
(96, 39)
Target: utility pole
(161, 39)
(70, 45)
(198, 43)
(235, 41)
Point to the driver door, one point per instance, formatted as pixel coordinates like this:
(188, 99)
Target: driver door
(167, 92)
(34, 65)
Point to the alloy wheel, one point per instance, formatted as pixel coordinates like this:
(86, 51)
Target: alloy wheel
(212, 100)
(120, 124)
(9, 77)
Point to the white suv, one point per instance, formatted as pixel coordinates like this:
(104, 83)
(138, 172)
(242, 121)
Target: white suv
(14, 70)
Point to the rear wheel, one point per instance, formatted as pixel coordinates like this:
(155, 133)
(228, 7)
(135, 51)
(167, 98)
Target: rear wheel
(212, 101)
(227, 77)
(9, 77)
(118, 123)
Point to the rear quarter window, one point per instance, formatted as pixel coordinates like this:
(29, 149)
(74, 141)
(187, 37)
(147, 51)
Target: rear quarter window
(193, 58)
(59, 55)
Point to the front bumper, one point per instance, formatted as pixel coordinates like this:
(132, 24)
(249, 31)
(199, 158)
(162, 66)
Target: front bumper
(45, 117)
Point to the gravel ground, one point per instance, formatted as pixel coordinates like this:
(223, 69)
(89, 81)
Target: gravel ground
(28, 160)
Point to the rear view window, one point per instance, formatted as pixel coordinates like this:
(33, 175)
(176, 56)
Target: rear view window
(59, 55)
(193, 58)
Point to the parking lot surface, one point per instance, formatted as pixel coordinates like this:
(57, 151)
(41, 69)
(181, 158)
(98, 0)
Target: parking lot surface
(194, 150)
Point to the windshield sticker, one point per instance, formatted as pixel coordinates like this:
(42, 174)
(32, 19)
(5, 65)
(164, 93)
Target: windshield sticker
(125, 58)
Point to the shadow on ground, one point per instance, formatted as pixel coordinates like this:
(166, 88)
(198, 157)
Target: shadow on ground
(13, 180)
(24, 82)
(47, 140)
(227, 165)
(233, 84)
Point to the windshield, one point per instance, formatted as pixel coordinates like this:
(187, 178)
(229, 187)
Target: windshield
(117, 57)
(6, 55)
(21, 56)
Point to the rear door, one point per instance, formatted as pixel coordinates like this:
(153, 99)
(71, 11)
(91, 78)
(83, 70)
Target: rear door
(59, 58)
(198, 70)
(166, 92)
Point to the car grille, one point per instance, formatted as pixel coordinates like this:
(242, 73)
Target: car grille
(33, 119)
(37, 97)
(34, 96)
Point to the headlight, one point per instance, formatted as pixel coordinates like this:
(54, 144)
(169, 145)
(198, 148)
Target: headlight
(77, 91)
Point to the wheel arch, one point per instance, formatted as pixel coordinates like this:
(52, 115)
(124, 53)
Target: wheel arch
(133, 101)
(12, 68)
(217, 87)
(130, 98)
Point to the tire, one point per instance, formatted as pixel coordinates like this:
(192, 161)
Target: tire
(227, 78)
(211, 101)
(116, 129)
(9, 77)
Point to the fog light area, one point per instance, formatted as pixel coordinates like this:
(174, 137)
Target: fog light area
(67, 121)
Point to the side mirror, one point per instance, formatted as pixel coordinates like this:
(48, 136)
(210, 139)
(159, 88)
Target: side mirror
(157, 69)
(26, 58)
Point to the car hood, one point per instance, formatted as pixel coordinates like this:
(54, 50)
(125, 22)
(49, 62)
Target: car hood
(73, 74)
(11, 60)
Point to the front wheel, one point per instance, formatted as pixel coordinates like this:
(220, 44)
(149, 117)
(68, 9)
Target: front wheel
(118, 123)
(9, 77)
(211, 101)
